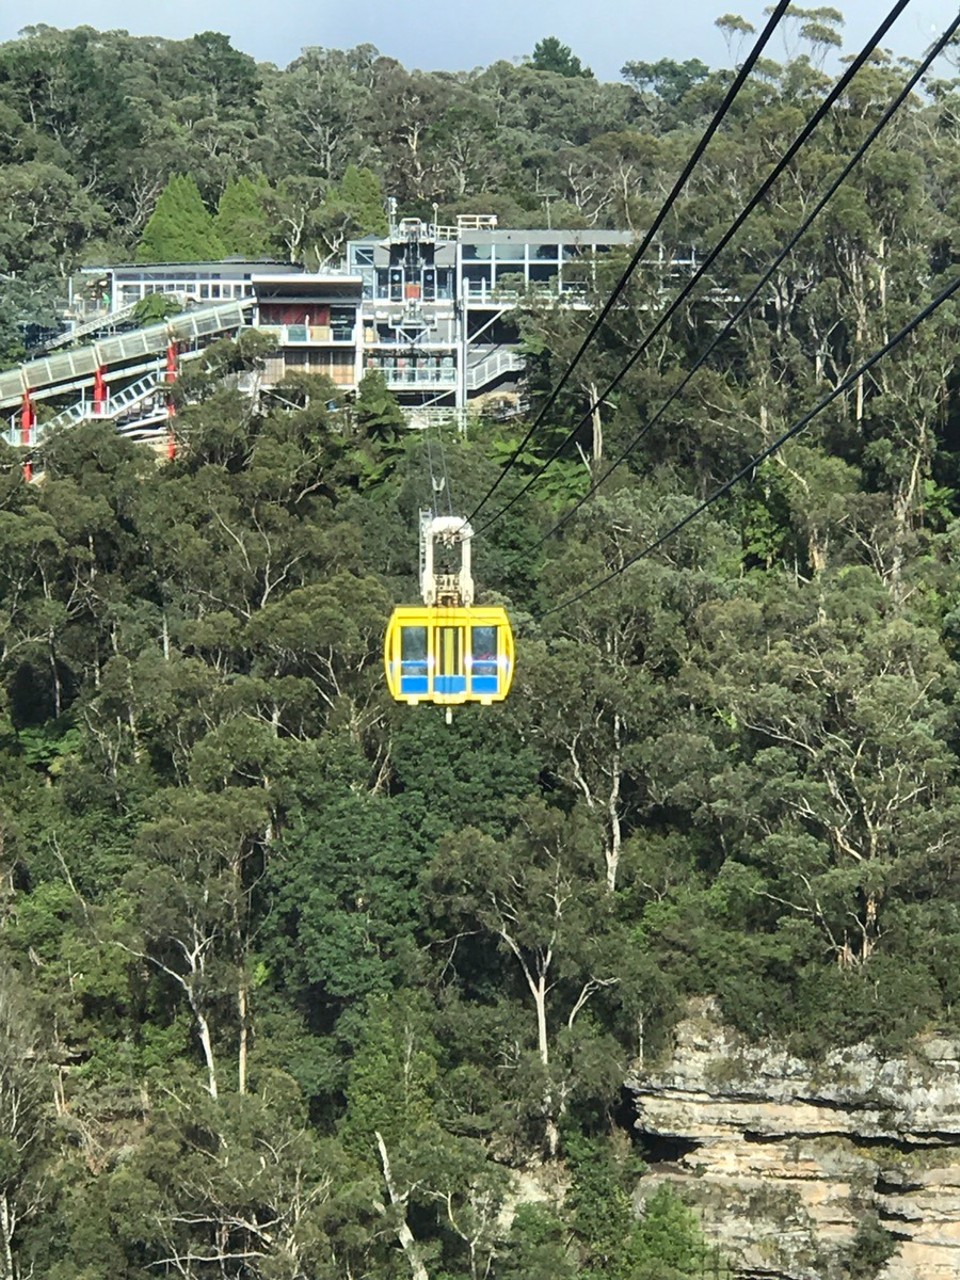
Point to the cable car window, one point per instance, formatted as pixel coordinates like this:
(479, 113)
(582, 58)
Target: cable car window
(484, 649)
(484, 669)
(413, 651)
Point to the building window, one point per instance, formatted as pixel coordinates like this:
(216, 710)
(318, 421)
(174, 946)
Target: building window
(543, 274)
(550, 251)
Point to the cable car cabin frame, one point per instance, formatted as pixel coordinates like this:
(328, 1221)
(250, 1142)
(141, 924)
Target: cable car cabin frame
(447, 650)
(449, 656)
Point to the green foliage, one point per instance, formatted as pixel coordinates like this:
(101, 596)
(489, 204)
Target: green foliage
(549, 54)
(393, 1077)
(870, 1250)
(154, 307)
(300, 982)
(347, 903)
(28, 300)
(669, 80)
(242, 225)
(669, 1240)
(665, 1243)
(180, 229)
(537, 1247)
(359, 200)
(377, 411)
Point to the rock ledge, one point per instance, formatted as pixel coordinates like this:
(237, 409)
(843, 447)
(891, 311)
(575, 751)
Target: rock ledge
(785, 1160)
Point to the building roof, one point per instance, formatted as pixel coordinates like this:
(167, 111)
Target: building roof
(543, 235)
(188, 268)
(306, 285)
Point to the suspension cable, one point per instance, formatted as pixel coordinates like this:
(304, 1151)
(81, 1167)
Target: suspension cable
(838, 89)
(434, 488)
(695, 157)
(446, 474)
(750, 467)
(764, 280)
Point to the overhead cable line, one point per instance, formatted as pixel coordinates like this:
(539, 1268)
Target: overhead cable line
(836, 92)
(446, 476)
(749, 468)
(435, 485)
(764, 280)
(695, 157)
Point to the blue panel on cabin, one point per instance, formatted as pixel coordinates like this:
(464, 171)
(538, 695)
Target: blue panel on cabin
(414, 685)
(485, 684)
(450, 684)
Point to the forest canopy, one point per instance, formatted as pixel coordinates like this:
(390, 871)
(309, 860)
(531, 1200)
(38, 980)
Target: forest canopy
(297, 982)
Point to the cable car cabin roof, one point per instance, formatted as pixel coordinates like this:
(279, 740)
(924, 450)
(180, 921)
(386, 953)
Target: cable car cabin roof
(449, 656)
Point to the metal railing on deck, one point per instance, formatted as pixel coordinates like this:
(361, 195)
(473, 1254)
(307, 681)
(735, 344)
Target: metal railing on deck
(301, 335)
(420, 377)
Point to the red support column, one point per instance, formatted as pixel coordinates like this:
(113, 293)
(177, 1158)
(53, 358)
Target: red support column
(99, 392)
(173, 368)
(28, 419)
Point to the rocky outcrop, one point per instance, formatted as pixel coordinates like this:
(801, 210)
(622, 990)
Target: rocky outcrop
(788, 1163)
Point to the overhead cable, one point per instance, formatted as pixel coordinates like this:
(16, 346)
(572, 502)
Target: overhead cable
(737, 84)
(750, 468)
(764, 280)
(836, 92)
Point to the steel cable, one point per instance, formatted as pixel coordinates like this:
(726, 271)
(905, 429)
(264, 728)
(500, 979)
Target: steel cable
(849, 381)
(718, 118)
(764, 280)
(838, 89)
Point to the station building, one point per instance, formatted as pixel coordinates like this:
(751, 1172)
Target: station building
(433, 308)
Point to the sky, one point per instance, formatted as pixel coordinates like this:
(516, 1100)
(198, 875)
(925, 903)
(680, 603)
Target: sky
(462, 34)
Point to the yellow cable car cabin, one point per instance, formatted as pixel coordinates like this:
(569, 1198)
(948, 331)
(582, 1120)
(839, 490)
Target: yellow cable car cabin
(447, 650)
(449, 655)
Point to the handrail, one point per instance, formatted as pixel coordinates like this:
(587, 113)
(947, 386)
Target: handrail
(493, 367)
(102, 320)
(106, 411)
(84, 361)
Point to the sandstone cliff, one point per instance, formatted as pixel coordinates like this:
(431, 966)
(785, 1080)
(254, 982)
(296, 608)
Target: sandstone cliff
(786, 1161)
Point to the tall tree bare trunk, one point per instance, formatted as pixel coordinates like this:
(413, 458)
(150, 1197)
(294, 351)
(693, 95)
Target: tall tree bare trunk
(408, 1243)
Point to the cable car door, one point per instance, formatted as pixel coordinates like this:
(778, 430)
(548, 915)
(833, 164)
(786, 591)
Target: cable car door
(448, 660)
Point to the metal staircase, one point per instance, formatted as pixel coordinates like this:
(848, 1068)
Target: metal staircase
(147, 395)
(118, 406)
(494, 366)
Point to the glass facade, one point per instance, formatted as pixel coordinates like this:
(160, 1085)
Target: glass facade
(402, 309)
